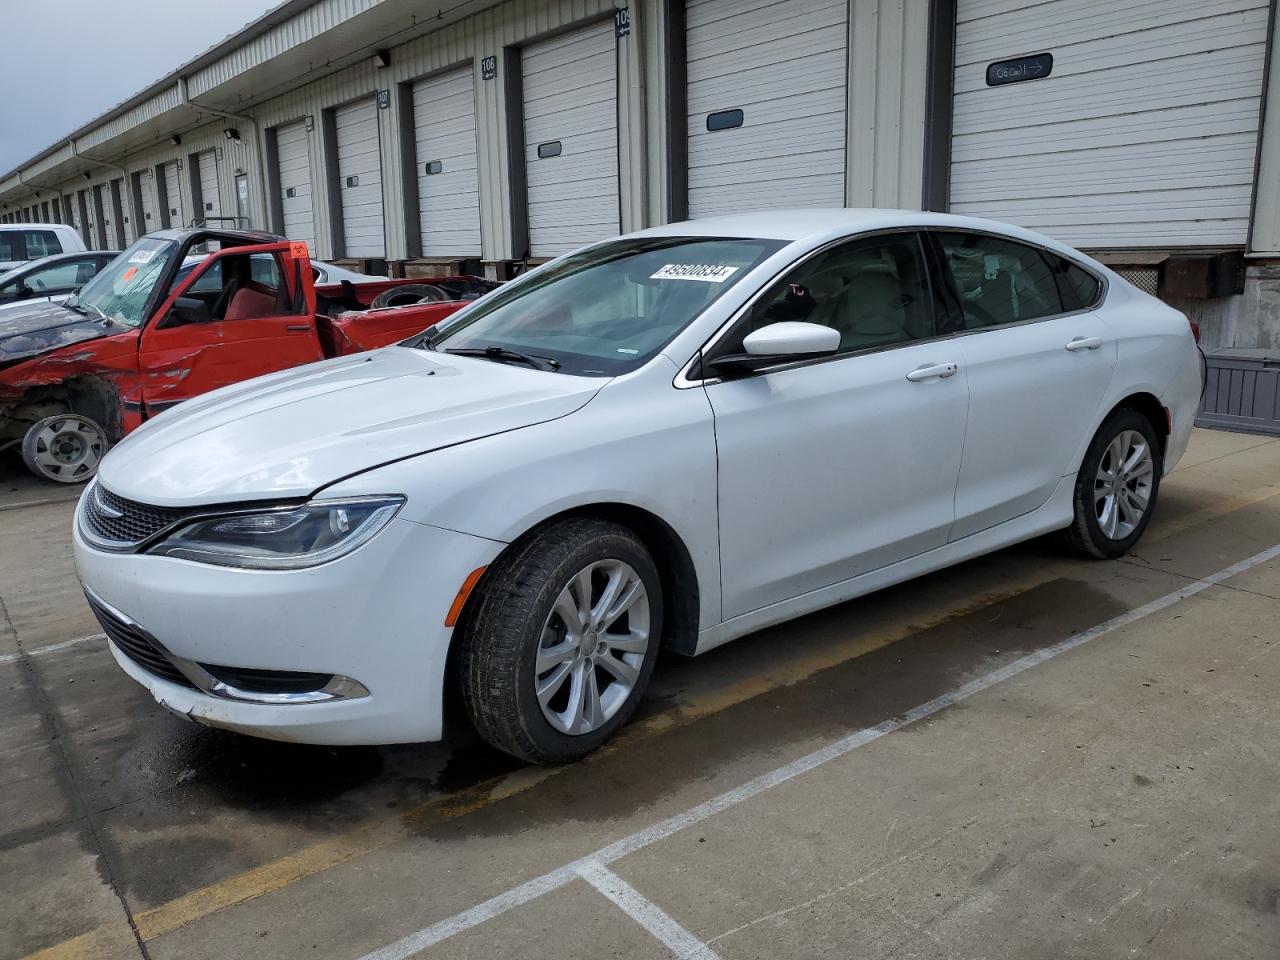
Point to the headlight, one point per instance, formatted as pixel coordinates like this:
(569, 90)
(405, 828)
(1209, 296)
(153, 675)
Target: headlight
(306, 536)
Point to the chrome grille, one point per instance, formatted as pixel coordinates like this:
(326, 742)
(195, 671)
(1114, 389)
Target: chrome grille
(133, 642)
(126, 522)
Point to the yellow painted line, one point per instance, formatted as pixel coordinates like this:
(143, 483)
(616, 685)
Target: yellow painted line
(201, 903)
(104, 943)
(318, 857)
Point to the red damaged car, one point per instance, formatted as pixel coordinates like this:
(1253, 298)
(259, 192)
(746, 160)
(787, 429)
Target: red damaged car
(179, 313)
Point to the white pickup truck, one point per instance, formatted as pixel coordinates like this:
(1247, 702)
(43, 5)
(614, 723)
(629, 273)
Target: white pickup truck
(20, 242)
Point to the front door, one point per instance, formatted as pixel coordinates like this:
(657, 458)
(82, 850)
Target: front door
(258, 316)
(1039, 364)
(832, 468)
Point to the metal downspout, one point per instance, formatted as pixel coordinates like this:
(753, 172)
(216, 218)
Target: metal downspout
(256, 153)
(124, 182)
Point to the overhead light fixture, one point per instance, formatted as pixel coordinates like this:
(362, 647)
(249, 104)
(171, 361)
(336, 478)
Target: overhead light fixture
(381, 58)
(176, 140)
(231, 133)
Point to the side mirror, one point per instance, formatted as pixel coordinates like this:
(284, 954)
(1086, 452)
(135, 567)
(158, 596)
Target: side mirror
(778, 343)
(24, 292)
(189, 310)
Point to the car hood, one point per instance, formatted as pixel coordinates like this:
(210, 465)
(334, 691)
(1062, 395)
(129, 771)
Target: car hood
(291, 433)
(31, 328)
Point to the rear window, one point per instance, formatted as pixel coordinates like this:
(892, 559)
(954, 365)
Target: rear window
(42, 243)
(11, 246)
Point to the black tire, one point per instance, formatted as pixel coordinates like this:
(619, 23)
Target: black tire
(409, 294)
(1085, 535)
(502, 631)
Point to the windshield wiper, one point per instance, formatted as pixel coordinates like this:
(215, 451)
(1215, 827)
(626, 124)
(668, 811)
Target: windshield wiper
(503, 355)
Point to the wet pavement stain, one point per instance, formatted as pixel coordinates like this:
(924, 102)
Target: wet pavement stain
(186, 806)
(854, 695)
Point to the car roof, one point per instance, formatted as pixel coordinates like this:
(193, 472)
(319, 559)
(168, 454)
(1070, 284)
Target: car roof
(35, 226)
(821, 223)
(215, 233)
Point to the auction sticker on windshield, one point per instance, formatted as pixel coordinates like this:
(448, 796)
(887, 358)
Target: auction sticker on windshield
(142, 256)
(705, 272)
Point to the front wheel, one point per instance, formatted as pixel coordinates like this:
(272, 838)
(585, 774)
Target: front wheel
(1117, 486)
(66, 448)
(561, 643)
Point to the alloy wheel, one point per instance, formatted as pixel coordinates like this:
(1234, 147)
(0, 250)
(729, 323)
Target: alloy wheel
(1122, 487)
(64, 448)
(592, 647)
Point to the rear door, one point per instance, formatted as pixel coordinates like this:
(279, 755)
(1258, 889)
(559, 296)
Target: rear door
(1038, 361)
(261, 318)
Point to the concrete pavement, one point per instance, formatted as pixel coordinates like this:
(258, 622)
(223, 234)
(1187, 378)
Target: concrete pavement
(1119, 798)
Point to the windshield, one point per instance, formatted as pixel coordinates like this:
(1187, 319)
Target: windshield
(122, 288)
(607, 310)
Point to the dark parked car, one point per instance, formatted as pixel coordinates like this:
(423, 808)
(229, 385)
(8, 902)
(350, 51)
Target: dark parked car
(56, 276)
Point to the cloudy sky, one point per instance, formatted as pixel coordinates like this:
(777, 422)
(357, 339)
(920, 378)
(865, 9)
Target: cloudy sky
(66, 61)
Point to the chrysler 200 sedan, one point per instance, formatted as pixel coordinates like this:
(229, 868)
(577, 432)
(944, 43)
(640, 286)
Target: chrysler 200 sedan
(672, 438)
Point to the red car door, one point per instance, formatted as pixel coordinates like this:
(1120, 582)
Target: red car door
(240, 313)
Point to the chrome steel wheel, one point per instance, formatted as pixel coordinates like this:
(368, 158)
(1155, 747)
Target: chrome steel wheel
(1122, 487)
(593, 646)
(66, 448)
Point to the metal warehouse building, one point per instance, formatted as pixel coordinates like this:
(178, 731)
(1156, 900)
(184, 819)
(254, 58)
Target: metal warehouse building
(416, 136)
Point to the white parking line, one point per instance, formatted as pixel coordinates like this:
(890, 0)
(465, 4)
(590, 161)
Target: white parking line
(532, 889)
(51, 648)
(645, 912)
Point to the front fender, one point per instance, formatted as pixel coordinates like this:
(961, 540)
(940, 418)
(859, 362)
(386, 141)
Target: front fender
(640, 442)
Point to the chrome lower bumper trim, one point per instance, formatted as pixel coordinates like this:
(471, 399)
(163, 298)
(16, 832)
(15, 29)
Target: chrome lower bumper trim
(338, 688)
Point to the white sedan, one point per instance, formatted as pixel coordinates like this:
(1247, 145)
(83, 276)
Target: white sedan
(672, 438)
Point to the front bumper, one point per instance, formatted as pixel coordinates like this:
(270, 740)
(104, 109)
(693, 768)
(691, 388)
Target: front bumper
(374, 617)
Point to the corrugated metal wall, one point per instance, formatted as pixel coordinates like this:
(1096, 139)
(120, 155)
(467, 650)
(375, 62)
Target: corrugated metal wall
(885, 96)
(1144, 134)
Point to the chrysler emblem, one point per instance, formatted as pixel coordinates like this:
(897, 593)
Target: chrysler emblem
(111, 513)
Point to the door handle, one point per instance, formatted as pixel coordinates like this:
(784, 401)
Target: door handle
(298, 328)
(933, 371)
(1084, 343)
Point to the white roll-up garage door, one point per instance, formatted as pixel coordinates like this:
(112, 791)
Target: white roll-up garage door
(210, 201)
(444, 121)
(570, 88)
(293, 154)
(150, 212)
(360, 179)
(120, 207)
(766, 90)
(1143, 134)
(173, 195)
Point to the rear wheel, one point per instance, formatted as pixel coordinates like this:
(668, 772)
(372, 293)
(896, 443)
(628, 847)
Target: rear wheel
(65, 448)
(561, 643)
(1117, 486)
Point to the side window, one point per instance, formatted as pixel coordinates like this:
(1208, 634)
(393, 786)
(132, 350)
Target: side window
(1077, 284)
(251, 287)
(61, 276)
(11, 246)
(999, 281)
(874, 291)
(42, 243)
